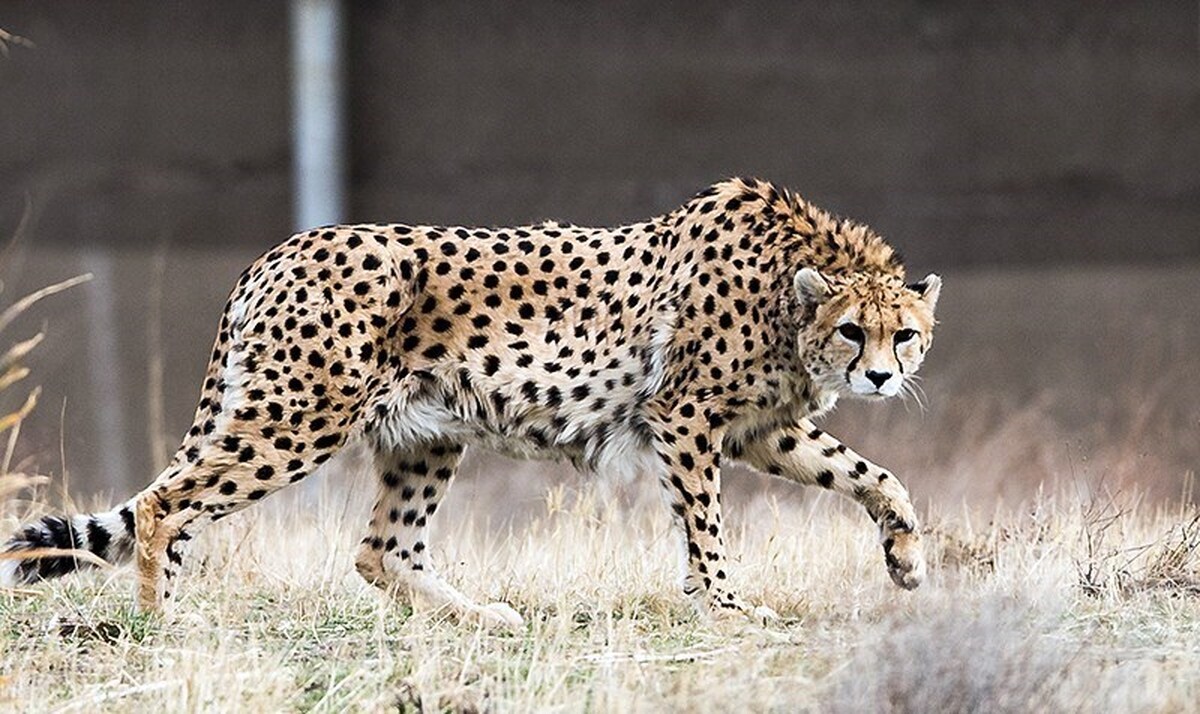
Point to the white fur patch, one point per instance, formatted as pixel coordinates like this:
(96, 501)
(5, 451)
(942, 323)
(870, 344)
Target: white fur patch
(624, 457)
(660, 346)
(407, 417)
(8, 573)
(238, 308)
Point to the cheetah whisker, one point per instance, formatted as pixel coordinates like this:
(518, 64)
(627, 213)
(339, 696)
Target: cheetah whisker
(912, 390)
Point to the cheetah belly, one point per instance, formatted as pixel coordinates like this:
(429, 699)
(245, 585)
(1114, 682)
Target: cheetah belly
(612, 442)
(621, 452)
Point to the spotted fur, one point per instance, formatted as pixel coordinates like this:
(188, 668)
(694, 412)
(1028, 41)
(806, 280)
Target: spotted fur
(657, 349)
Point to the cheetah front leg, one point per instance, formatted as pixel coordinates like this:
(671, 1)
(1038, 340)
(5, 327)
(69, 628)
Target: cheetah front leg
(394, 555)
(692, 478)
(804, 454)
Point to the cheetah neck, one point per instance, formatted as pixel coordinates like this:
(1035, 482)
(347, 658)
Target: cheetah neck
(787, 231)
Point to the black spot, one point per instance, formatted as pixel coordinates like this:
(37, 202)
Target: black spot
(327, 441)
(98, 538)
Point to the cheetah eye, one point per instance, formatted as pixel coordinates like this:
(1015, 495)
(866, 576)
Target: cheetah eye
(851, 332)
(904, 335)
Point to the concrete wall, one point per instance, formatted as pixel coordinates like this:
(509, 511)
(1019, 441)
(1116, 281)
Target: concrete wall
(150, 141)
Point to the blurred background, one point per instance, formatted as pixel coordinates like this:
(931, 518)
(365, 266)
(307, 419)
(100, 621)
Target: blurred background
(1043, 157)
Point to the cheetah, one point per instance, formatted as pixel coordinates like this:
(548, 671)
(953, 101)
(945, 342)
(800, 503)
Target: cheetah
(662, 349)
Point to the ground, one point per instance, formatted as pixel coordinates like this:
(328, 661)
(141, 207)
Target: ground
(1049, 607)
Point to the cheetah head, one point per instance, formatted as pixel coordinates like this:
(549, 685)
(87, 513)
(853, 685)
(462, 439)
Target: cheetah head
(867, 333)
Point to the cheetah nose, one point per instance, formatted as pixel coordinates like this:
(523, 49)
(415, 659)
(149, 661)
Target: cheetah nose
(878, 378)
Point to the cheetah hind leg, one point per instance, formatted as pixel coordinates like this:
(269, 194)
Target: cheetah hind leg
(172, 511)
(394, 555)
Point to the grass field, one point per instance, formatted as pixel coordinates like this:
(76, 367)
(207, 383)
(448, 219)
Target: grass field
(1050, 465)
(1069, 604)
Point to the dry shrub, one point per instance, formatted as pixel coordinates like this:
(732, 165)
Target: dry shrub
(1173, 564)
(1098, 565)
(1108, 565)
(12, 374)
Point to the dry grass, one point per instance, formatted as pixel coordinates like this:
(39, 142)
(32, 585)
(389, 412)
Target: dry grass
(1083, 600)
(19, 400)
(273, 617)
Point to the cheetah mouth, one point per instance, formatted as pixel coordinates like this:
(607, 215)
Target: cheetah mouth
(875, 395)
(871, 392)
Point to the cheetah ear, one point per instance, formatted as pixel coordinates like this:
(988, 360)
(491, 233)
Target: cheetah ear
(811, 287)
(929, 288)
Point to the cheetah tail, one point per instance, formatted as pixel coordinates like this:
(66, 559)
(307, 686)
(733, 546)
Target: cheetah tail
(57, 545)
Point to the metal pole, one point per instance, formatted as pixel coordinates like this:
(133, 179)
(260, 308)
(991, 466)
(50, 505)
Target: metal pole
(104, 362)
(318, 113)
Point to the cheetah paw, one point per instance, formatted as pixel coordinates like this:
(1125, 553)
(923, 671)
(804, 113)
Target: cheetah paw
(501, 615)
(725, 607)
(905, 559)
